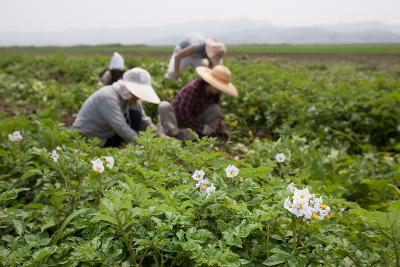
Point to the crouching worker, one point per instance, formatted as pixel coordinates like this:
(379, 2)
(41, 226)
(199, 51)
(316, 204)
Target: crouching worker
(197, 105)
(115, 70)
(114, 113)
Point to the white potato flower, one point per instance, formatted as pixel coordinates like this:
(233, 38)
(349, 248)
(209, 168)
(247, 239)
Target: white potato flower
(306, 205)
(231, 171)
(287, 204)
(308, 213)
(280, 157)
(301, 196)
(290, 188)
(198, 175)
(97, 166)
(300, 209)
(324, 212)
(202, 184)
(15, 136)
(54, 156)
(312, 109)
(109, 161)
(210, 190)
(316, 203)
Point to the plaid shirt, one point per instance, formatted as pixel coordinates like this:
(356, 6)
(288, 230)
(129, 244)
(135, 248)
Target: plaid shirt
(190, 102)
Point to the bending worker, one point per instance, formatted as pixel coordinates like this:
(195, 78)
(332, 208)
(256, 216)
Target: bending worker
(114, 113)
(195, 50)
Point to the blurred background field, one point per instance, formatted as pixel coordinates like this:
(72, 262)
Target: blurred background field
(234, 50)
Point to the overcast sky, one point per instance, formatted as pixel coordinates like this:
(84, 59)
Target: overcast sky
(56, 15)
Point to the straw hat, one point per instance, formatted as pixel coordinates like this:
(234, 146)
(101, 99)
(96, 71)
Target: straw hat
(138, 82)
(219, 77)
(215, 51)
(117, 62)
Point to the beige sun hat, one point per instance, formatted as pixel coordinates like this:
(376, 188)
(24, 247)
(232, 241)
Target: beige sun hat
(138, 82)
(219, 77)
(215, 51)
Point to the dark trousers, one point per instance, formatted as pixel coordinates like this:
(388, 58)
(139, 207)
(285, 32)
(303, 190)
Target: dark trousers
(135, 120)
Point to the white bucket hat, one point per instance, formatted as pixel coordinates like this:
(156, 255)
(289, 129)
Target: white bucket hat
(138, 82)
(215, 51)
(117, 62)
(219, 77)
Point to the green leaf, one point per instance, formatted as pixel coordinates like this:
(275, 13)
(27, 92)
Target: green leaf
(231, 239)
(106, 218)
(279, 257)
(19, 227)
(180, 234)
(11, 194)
(67, 220)
(246, 229)
(280, 252)
(375, 184)
(41, 254)
(273, 262)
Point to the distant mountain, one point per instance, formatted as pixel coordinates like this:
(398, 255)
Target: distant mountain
(362, 27)
(239, 31)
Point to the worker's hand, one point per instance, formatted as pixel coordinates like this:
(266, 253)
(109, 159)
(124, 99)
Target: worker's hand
(207, 130)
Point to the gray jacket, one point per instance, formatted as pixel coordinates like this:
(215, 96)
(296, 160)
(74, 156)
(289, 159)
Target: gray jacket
(102, 115)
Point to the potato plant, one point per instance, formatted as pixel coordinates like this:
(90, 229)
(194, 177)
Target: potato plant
(310, 177)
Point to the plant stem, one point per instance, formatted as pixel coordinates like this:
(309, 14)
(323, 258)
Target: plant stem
(299, 234)
(173, 261)
(147, 148)
(396, 251)
(129, 247)
(125, 239)
(268, 241)
(294, 233)
(155, 257)
(395, 244)
(66, 184)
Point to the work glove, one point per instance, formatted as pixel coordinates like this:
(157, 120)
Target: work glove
(184, 135)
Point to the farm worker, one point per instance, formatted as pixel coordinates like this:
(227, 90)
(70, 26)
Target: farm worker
(115, 70)
(114, 112)
(197, 105)
(195, 50)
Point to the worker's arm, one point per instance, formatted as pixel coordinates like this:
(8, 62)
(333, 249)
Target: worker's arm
(181, 54)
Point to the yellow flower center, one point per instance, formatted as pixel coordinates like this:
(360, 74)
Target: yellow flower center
(302, 196)
(314, 216)
(202, 186)
(98, 169)
(299, 206)
(322, 206)
(232, 173)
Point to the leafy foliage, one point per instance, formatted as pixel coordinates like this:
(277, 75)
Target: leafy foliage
(337, 125)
